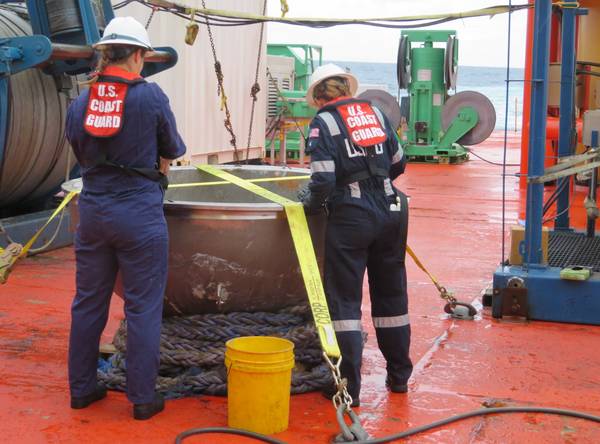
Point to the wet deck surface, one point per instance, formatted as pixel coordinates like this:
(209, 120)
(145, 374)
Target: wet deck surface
(460, 365)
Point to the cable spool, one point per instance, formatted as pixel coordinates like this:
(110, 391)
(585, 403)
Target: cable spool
(451, 63)
(65, 19)
(36, 153)
(387, 103)
(485, 112)
(403, 63)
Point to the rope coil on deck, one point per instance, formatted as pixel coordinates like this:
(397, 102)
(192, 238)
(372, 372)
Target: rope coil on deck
(192, 351)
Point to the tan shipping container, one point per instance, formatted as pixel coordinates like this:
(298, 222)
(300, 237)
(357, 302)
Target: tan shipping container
(192, 84)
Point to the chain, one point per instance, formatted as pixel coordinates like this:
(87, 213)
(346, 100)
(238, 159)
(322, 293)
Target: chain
(154, 8)
(446, 295)
(256, 87)
(342, 397)
(285, 100)
(342, 401)
(221, 89)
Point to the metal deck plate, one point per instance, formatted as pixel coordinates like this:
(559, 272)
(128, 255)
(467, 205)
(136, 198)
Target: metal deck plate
(568, 249)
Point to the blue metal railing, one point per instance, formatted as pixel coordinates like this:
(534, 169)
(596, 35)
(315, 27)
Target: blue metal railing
(537, 135)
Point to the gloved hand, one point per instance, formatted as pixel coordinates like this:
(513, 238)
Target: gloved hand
(304, 194)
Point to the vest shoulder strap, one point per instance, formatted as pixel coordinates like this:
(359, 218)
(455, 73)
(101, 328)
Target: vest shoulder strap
(330, 122)
(115, 79)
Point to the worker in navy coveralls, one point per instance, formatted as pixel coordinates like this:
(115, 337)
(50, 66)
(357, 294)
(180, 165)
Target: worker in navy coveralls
(123, 133)
(355, 156)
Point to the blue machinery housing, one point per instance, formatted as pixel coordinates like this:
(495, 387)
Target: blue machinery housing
(534, 290)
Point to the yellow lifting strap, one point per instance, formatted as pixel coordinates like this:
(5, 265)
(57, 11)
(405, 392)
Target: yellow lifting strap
(422, 267)
(5, 268)
(305, 252)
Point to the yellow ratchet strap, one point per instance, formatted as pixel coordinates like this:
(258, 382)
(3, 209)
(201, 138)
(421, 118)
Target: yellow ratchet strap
(305, 252)
(5, 271)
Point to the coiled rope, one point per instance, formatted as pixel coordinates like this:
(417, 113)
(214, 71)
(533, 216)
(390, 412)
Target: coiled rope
(192, 351)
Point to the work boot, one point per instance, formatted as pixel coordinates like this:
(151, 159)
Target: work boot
(84, 401)
(148, 410)
(394, 386)
(329, 392)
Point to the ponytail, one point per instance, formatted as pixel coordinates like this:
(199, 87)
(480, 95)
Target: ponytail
(110, 55)
(331, 88)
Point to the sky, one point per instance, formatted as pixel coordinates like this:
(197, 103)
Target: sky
(482, 40)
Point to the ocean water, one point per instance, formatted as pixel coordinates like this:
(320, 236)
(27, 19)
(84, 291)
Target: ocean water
(489, 81)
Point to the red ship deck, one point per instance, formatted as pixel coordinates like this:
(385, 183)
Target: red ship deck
(460, 365)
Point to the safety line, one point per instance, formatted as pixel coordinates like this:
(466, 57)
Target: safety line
(305, 252)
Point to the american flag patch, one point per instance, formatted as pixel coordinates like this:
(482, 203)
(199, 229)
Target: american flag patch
(314, 132)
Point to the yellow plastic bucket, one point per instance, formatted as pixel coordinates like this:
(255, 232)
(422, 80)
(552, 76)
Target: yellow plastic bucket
(259, 378)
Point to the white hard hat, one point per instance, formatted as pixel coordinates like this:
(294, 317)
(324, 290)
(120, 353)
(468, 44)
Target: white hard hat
(125, 31)
(325, 72)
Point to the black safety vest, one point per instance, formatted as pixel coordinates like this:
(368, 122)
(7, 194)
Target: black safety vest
(353, 169)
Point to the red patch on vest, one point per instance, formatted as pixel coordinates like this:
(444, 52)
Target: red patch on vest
(104, 116)
(362, 124)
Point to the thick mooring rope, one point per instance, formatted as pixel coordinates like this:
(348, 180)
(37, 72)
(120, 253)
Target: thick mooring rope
(192, 351)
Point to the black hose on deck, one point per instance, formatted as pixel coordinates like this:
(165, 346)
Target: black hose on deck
(480, 412)
(226, 431)
(406, 433)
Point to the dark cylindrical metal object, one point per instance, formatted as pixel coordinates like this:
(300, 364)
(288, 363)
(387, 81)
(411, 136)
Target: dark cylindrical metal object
(229, 249)
(36, 154)
(65, 18)
(78, 52)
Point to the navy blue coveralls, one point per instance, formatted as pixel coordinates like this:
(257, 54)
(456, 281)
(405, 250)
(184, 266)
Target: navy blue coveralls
(122, 228)
(366, 229)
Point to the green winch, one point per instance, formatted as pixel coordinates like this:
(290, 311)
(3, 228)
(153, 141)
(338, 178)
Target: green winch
(436, 126)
